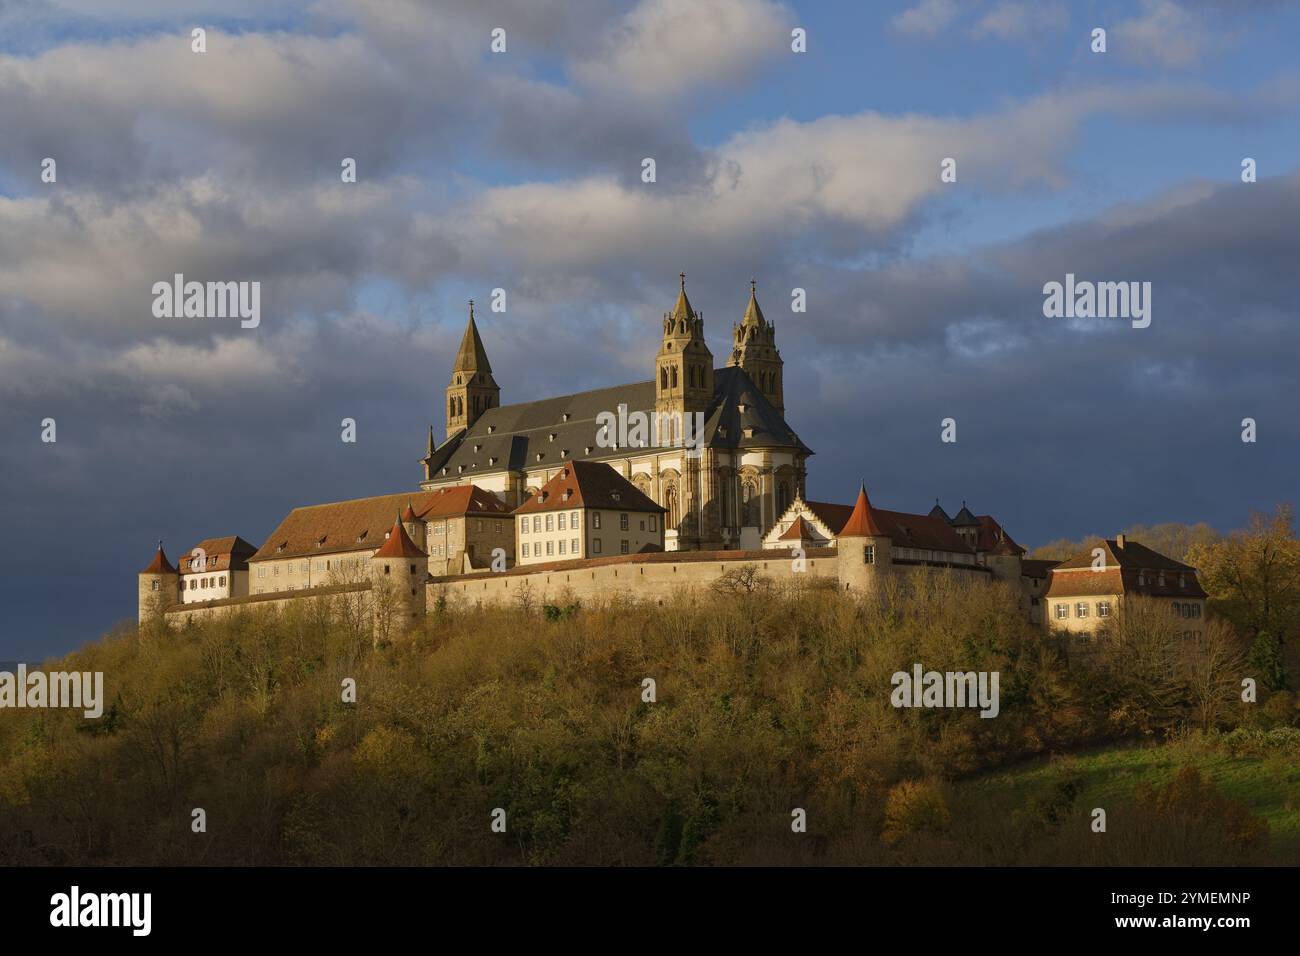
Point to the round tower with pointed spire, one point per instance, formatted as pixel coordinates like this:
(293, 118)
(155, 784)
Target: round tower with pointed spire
(398, 572)
(753, 349)
(159, 588)
(473, 390)
(866, 552)
(415, 528)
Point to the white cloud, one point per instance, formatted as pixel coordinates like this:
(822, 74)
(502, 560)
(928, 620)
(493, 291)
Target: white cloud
(1018, 19)
(1166, 33)
(666, 48)
(927, 18)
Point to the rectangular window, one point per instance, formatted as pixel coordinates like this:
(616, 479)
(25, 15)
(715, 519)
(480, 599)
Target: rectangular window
(537, 524)
(275, 571)
(561, 546)
(1081, 609)
(156, 585)
(550, 548)
(223, 580)
(622, 522)
(642, 524)
(622, 546)
(261, 570)
(523, 525)
(550, 522)
(525, 549)
(869, 554)
(595, 546)
(573, 546)
(194, 584)
(560, 522)
(1062, 611)
(654, 522)
(1103, 609)
(595, 519)
(573, 520)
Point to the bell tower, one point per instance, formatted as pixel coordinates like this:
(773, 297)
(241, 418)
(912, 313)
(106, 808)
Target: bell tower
(473, 390)
(754, 349)
(684, 364)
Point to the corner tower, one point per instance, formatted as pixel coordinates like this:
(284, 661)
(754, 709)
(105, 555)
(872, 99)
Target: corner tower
(473, 390)
(160, 585)
(684, 364)
(753, 348)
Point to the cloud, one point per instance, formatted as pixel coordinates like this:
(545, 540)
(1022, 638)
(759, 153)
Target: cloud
(665, 49)
(927, 18)
(1016, 19)
(1166, 34)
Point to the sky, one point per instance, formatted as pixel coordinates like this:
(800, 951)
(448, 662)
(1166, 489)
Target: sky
(522, 170)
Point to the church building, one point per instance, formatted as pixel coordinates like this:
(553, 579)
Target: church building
(724, 491)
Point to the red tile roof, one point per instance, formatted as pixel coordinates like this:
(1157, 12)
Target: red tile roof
(589, 484)
(399, 544)
(862, 522)
(798, 531)
(1129, 569)
(159, 564)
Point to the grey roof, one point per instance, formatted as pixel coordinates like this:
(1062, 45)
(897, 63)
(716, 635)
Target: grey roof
(514, 435)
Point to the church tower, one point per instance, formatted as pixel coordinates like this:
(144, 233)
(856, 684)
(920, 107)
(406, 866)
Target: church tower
(754, 349)
(684, 365)
(473, 390)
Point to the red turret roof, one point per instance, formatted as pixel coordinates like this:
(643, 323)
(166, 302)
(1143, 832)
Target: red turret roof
(862, 523)
(399, 544)
(409, 513)
(160, 564)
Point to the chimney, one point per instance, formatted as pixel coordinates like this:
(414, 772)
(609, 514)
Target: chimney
(1119, 541)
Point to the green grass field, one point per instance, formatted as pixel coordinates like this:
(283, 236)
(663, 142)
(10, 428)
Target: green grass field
(1268, 786)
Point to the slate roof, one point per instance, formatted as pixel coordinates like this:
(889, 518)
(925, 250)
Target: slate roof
(359, 524)
(589, 484)
(512, 436)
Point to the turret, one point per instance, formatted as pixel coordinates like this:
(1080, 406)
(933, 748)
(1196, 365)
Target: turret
(753, 348)
(866, 553)
(159, 587)
(398, 572)
(414, 527)
(684, 364)
(473, 390)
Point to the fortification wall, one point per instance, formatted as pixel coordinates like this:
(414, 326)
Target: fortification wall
(180, 614)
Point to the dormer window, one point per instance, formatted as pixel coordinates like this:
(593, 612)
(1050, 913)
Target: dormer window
(564, 453)
(551, 437)
(1182, 581)
(748, 432)
(492, 461)
(477, 449)
(587, 450)
(460, 469)
(320, 542)
(742, 408)
(564, 417)
(491, 429)
(1161, 579)
(362, 536)
(540, 456)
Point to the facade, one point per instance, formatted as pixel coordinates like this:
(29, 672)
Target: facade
(721, 458)
(587, 510)
(1090, 588)
(331, 544)
(215, 568)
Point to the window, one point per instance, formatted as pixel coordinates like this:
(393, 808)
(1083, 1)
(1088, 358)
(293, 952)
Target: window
(573, 520)
(573, 546)
(622, 546)
(560, 521)
(550, 522)
(869, 554)
(550, 548)
(595, 519)
(1187, 610)
(654, 522)
(595, 546)
(412, 569)
(223, 581)
(622, 522)
(1182, 581)
(1081, 609)
(523, 525)
(537, 524)
(1178, 608)
(1103, 609)
(525, 549)
(561, 546)
(261, 570)
(1062, 611)
(194, 583)
(642, 523)
(1196, 610)
(157, 584)
(386, 569)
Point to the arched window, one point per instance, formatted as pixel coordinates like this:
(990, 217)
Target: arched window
(451, 408)
(670, 502)
(750, 503)
(663, 378)
(674, 376)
